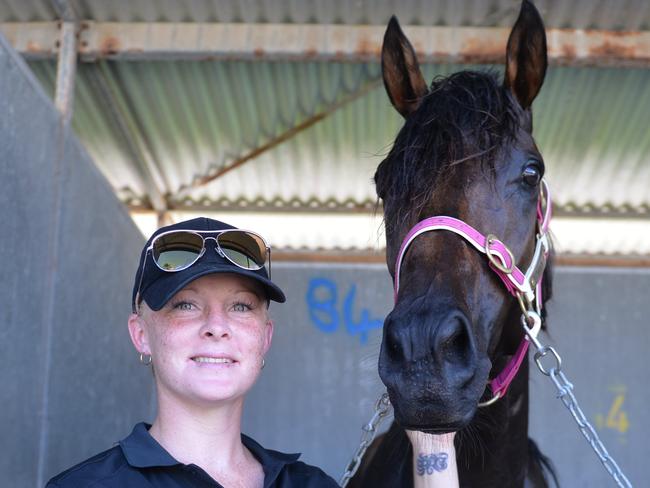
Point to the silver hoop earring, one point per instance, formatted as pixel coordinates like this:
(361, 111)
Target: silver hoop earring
(145, 359)
(263, 363)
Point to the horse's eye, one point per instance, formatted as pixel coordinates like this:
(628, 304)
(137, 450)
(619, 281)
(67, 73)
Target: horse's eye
(532, 174)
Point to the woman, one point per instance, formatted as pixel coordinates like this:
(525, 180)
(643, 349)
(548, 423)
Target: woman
(200, 319)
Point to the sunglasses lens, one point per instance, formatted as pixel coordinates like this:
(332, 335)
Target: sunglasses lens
(245, 249)
(177, 250)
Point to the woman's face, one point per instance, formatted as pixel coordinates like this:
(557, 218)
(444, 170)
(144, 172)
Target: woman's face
(208, 341)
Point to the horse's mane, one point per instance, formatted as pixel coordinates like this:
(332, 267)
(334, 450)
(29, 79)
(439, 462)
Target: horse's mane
(467, 116)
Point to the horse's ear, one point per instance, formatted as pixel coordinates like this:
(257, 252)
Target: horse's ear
(403, 79)
(526, 60)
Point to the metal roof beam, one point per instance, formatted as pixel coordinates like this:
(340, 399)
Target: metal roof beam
(168, 40)
(65, 71)
(34, 40)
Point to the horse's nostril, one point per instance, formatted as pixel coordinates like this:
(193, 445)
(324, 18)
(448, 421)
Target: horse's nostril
(452, 343)
(394, 345)
(458, 344)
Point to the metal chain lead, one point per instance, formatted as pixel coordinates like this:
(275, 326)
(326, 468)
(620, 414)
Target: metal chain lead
(368, 433)
(565, 393)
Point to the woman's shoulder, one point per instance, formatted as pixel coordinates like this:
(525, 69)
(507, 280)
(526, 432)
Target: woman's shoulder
(115, 467)
(95, 471)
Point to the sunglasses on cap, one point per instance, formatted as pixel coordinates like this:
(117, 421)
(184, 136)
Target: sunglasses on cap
(176, 250)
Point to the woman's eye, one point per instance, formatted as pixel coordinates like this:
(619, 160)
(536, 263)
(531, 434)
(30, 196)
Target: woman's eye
(532, 174)
(241, 307)
(183, 306)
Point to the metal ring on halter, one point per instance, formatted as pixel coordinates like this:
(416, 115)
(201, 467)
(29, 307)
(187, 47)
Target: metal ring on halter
(489, 239)
(489, 402)
(543, 197)
(543, 351)
(532, 325)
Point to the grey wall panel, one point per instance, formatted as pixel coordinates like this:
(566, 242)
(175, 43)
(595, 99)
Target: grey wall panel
(98, 390)
(27, 134)
(599, 322)
(321, 377)
(71, 384)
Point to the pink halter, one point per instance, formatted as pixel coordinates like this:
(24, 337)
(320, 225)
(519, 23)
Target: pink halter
(526, 285)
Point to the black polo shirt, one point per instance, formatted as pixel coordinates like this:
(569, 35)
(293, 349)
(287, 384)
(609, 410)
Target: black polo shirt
(139, 461)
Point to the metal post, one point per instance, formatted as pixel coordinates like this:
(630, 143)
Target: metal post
(65, 70)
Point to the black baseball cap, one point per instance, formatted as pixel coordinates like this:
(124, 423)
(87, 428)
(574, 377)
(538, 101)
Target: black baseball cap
(157, 287)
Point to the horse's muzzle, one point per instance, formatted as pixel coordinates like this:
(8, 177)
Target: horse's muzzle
(432, 369)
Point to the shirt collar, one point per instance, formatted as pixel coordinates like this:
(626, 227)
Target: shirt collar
(141, 450)
(272, 461)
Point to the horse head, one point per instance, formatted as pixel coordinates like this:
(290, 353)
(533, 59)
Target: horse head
(465, 150)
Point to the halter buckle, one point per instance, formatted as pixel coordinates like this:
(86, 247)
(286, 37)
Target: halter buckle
(492, 255)
(538, 264)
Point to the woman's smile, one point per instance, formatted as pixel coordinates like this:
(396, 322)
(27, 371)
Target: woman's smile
(202, 359)
(214, 361)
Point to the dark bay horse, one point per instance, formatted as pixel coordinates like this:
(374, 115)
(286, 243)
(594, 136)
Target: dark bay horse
(466, 150)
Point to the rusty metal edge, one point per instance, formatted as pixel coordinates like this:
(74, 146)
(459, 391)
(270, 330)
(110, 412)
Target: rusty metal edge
(309, 42)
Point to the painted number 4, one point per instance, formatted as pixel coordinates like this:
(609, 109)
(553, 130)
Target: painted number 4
(616, 418)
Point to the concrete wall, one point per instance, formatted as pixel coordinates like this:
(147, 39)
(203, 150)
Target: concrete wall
(70, 381)
(321, 380)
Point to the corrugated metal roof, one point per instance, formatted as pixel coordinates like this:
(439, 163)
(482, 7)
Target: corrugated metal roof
(308, 135)
(592, 125)
(197, 117)
(629, 15)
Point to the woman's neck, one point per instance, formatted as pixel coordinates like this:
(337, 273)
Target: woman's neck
(209, 438)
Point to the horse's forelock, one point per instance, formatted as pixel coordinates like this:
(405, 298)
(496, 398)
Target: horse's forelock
(467, 116)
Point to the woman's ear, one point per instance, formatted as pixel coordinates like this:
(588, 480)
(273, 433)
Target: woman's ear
(268, 335)
(138, 334)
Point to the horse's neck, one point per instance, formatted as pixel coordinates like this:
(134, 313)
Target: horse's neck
(493, 449)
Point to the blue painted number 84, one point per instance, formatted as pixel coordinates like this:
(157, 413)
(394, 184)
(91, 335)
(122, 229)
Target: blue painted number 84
(322, 298)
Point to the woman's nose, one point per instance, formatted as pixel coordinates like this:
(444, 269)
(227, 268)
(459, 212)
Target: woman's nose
(215, 325)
